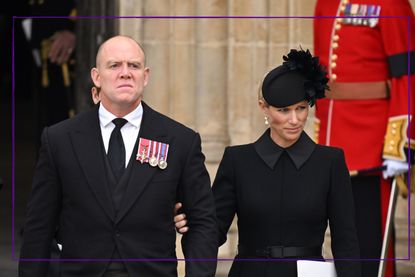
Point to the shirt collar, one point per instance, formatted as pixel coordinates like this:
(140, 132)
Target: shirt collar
(270, 152)
(133, 118)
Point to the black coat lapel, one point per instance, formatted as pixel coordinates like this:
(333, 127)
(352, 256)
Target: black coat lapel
(88, 146)
(151, 128)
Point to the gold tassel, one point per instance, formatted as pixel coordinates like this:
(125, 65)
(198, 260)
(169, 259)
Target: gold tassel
(65, 75)
(44, 55)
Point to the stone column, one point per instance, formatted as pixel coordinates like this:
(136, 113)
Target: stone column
(183, 65)
(403, 242)
(211, 76)
(132, 27)
(405, 268)
(247, 64)
(156, 43)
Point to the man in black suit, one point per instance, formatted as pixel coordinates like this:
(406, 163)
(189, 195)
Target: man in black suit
(110, 216)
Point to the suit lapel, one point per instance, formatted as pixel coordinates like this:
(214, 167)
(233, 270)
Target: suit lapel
(88, 146)
(141, 174)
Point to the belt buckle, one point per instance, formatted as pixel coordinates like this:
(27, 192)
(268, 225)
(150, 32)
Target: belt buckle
(271, 252)
(275, 251)
(264, 252)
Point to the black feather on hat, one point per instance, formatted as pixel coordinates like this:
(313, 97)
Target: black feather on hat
(300, 77)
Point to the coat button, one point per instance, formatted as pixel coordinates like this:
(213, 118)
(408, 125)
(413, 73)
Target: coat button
(117, 234)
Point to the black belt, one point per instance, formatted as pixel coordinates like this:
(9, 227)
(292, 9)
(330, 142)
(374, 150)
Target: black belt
(279, 251)
(117, 266)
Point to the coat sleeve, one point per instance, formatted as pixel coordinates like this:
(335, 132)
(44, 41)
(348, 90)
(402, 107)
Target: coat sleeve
(225, 195)
(399, 45)
(341, 215)
(201, 240)
(42, 215)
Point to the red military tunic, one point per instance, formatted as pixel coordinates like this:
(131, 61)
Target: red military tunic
(362, 54)
(366, 112)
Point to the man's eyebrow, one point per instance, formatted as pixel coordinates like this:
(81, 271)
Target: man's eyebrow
(120, 61)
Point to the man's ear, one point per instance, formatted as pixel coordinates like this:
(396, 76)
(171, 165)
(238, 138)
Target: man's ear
(95, 77)
(146, 75)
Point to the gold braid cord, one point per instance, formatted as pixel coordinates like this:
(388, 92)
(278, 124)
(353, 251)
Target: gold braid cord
(44, 55)
(316, 128)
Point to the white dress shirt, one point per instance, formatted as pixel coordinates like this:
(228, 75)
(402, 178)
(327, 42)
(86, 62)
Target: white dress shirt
(129, 131)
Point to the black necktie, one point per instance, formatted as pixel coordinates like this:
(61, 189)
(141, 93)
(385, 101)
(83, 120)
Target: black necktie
(116, 149)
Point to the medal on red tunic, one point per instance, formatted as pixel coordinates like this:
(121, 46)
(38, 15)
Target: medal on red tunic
(373, 10)
(143, 150)
(162, 163)
(361, 14)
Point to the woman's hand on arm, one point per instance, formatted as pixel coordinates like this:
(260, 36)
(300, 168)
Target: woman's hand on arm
(180, 220)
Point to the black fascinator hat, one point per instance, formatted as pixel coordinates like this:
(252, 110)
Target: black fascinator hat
(300, 77)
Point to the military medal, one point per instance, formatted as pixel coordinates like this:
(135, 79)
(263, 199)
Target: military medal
(163, 156)
(155, 146)
(354, 11)
(143, 149)
(347, 19)
(361, 12)
(361, 15)
(373, 10)
(153, 161)
(152, 152)
(162, 164)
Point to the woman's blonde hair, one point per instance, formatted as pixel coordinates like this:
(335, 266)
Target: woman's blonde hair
(259, 89)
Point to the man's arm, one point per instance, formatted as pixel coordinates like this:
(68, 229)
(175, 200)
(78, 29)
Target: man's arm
(42, 214)
(200, 243)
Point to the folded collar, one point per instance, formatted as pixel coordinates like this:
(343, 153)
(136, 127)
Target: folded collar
(270, 152)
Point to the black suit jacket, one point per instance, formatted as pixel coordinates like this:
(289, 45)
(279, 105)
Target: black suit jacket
(70, 190)
(285, 197)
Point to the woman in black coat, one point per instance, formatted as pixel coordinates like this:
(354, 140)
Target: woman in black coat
(284, 188)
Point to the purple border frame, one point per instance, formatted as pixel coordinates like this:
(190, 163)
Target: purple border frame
(407, 18)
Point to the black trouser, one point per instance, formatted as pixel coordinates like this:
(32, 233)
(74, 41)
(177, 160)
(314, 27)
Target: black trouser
(54, 268)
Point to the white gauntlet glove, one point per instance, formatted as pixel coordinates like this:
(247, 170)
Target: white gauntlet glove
(394, 168)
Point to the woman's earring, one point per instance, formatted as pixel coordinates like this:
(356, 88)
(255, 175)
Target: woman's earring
(266, 120)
